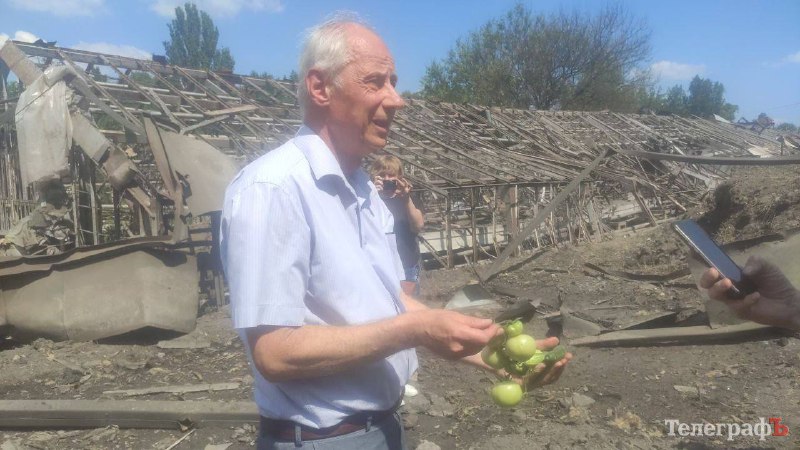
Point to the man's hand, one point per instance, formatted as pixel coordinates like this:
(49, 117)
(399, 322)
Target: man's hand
(541, 375)
(453, 335)
(776, 302)
(544, 374)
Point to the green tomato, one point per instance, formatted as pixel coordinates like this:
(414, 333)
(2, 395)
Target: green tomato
(507, 394)
(497, 342)
(516, 368)
(521, 348)
(536, 359)
(493, 358)
(513, 329)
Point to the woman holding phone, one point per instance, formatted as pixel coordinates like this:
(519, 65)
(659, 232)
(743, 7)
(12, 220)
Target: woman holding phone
(394, 189)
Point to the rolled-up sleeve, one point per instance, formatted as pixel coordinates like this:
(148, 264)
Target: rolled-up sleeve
(265, 249)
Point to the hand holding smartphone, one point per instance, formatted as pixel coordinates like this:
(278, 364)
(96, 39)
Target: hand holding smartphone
(714, 256)
(389, 185)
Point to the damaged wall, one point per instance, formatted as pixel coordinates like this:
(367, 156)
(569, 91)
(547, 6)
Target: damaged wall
(98, 294)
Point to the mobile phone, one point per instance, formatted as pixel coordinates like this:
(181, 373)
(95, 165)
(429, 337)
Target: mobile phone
(390, 185)
(714, 256)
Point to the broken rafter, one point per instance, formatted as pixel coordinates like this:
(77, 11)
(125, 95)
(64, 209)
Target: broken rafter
(534, 224)
(82, 84)
(247, 123)
(149, 94)
(233, 133)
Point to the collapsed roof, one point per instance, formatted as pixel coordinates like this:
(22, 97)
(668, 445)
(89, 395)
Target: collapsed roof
(445, 146)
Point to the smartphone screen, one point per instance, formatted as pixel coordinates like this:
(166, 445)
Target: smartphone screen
(702, 243)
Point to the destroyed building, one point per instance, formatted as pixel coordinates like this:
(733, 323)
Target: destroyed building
(145, 150)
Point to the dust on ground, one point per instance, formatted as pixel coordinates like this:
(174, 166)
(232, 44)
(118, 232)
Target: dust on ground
(609, 398)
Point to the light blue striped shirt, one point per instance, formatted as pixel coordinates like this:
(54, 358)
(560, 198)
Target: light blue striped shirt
(303, 244)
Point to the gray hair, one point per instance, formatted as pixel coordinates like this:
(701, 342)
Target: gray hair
(325, 48)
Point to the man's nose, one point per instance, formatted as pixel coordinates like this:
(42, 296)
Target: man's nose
(393, 100)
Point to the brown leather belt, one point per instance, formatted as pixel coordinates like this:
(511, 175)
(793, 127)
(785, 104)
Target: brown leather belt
(285, 430)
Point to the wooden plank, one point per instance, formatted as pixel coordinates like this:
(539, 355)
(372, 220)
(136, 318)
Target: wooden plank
(233, 110)
(204, 123)
(181, 389)
(448, 233)
(525, 233)
(232, 134)
(253, 85)
(82, 83)
(473, 203)
(432, 251)
(472, 164)
(682, 335)
(399, 152)
(253, 127)
(149, 94)
(719, 161)
(22, 414)
(643, 205)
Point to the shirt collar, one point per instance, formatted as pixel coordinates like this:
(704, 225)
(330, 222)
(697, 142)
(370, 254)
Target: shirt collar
(323, 163)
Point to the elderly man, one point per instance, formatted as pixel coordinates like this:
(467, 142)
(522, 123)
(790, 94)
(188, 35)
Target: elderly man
(314, 286)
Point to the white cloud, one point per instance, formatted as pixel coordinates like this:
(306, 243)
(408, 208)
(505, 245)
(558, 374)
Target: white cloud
(60, 7)
(218, 8)
(793, 58)
(20, 35)
(25, 36)
(671, 70)
(113, 49)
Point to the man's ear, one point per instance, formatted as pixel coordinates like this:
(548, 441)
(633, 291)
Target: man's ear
(319, 91)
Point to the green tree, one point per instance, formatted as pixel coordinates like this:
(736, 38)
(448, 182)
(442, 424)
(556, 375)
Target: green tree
(14, 89)
(4, 71)
(707, 98)
(787, 127)
(193, 41)
(676, 101)
(223, 60)
(97, 75)
(257, 74)
(143, 79)
(566, 60)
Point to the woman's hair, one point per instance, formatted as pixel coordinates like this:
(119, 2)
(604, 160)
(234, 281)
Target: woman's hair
(326, 49)
(386, 164)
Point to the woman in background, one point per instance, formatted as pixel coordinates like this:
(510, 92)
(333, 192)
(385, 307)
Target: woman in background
(394, 189)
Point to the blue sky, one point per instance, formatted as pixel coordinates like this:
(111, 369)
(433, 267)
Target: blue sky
(752, 47)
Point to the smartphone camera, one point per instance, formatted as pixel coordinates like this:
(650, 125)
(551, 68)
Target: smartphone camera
(390, 185)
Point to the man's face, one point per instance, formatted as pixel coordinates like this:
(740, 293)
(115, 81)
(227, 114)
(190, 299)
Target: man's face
(362, 107)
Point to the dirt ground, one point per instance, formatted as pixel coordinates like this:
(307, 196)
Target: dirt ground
(609, 398)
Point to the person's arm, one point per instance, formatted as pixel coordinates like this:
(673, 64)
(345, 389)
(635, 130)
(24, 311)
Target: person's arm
(776, 302)
(416, 220)
(411, 303)
(289, 353)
